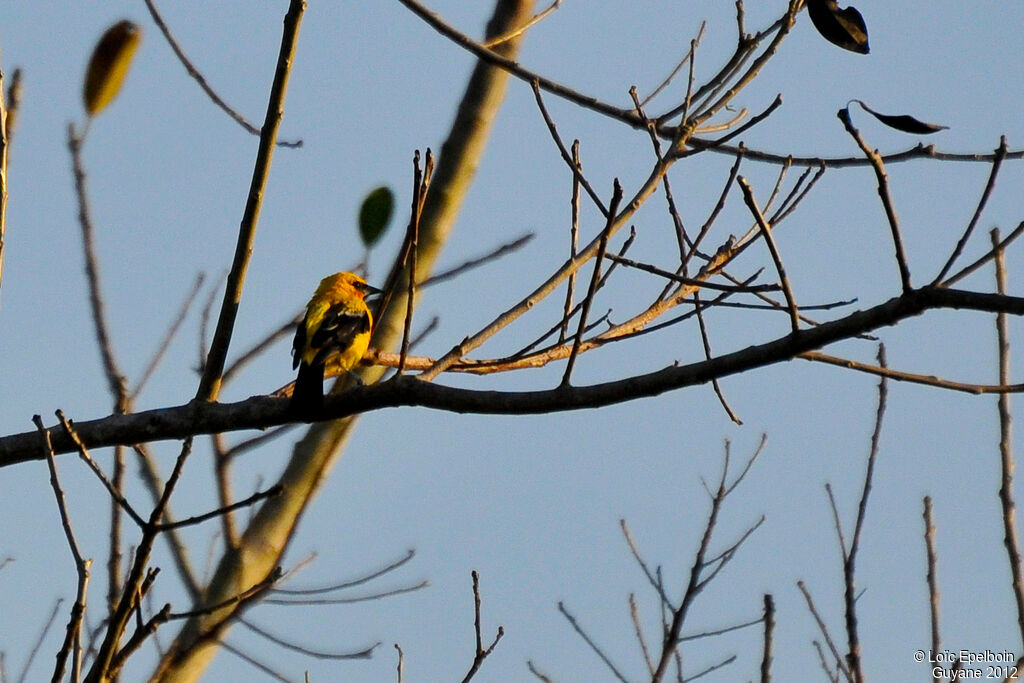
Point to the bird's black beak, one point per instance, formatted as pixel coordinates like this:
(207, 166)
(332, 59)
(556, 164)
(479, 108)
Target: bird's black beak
(370, 291)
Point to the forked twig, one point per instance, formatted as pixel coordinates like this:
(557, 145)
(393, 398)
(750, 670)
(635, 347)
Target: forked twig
(421, 185)
(824, 632)
(997, 162)
(480, 653)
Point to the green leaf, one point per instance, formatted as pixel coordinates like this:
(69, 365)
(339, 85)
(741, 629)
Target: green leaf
(904, 122)
(842, 27)
(374, 215)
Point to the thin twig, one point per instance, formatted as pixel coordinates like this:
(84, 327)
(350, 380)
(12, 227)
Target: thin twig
(210, 383)
(687, 58)
(249, 659)
(997, 162)
(708, 354)
(769, 632)
(172, 330)
(39, 642)
(658, 587)
(901, 376)
(535, 19)
(389, 593)
(769, 239)
(985, 258)
(572, 161)
(833, 677)
(849, 564)
(824, 632)
(198, 519)
(883, 192)
(932, 579)
(83, 453)
(364, 653)
(481, 653)
(4, 143)
(634, 615)
(73, 635)
(536, 672)
(421, 185)
(1006, 498)
(574, 238)
(589, 641)
(198, 77)
(351, 583)
(115, 379)
(477, 261)
(248, 595)
(595, 277)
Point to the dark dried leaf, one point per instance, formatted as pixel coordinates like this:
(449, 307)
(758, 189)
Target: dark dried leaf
(904, 122)
(842, 27)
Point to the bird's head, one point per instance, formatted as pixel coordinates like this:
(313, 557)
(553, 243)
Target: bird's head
(349, 281)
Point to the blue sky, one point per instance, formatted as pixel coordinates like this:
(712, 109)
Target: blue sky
(532, 503)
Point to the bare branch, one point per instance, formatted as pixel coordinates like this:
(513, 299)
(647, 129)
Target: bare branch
(198, 77)
(883, 192)
(210, 383)
(261, 412)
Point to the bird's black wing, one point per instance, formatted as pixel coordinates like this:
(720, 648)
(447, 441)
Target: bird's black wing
(339, 326)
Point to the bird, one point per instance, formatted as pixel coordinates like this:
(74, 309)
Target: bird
(333, 335)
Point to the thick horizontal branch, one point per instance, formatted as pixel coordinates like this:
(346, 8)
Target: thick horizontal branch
(262, 412)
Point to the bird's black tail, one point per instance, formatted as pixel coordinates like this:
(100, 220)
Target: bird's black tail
(308, 397)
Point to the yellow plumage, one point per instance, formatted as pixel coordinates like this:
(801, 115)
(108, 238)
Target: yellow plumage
(333, 336)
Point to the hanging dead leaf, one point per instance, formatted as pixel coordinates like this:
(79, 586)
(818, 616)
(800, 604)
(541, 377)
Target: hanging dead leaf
(904, 122)
(109, 65)
(842, 27)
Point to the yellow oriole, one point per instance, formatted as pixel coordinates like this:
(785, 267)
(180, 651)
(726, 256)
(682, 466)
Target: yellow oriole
(334, 335)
